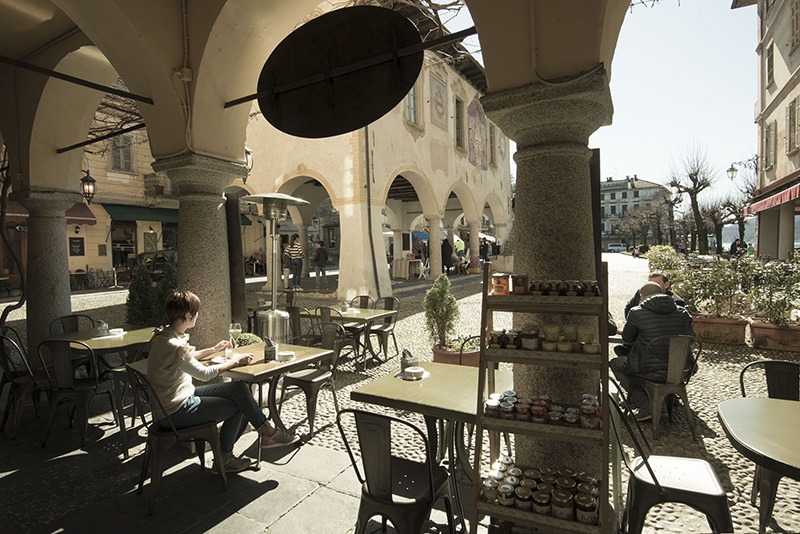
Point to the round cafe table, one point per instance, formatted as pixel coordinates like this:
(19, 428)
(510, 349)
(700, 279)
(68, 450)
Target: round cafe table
(765, 431)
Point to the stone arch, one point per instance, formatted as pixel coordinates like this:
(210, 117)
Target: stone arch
(394, 220)
(467, 201)
(421, 183)
(497, 208)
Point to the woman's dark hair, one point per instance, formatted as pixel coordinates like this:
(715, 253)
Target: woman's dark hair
(179, 303)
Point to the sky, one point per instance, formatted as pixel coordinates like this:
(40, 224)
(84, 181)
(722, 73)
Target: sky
(684, 75)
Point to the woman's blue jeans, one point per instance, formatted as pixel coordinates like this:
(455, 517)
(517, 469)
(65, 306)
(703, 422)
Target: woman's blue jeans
(297, 271)
(231, 402)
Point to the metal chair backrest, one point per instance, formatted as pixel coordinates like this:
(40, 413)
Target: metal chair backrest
(297, 314)
(375, 442)
(142, 385)
(288, 298)
(56, 357)
(461, 348)
(326, 314)
(782, 376)
(388, 303)
(362, 301)
(10, 332)
(71, 323)
(13, 361)
(679, 349)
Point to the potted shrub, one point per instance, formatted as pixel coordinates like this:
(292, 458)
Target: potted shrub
(776, 295)
(441, 313)
(714, 295)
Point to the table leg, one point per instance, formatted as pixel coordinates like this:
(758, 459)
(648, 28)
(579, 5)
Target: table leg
(451, 460)
(433, 436)
(767, 489)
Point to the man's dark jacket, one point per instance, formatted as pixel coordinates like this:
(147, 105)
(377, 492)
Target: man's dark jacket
(637, 298)
(657, 316)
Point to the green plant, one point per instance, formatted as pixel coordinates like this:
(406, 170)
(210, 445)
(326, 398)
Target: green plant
(142, 300)
(167, 284)
(246, 338)
(665, 258)
(441, 311)
(776, 290)
(471, 343)
(714, 289)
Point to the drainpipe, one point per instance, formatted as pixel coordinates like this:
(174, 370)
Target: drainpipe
(369, 214)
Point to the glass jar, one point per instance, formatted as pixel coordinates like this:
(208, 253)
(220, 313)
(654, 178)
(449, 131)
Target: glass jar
(571, 418)
(566, 483)
(585, 509)
(523, 498)
(511, 480)
(492, 408)
(514, 472)
(554, 417)
(519, 284)
(530, 340)
(589, 417)
(490, 486)
(496, 396)
(533, 473)
(548, 479)
(506, 410)
(541, 502)
(565, 471)
(588, 489)
(546, 488)
(508, 460)
(529, 483)
(497, 475)
(499, 466)
(505, 495)
(562, 505)
(548, 470)
(583, 476)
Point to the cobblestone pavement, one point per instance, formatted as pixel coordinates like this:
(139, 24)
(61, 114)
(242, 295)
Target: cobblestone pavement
(717, 380)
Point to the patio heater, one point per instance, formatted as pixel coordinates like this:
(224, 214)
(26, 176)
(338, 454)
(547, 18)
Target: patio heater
(275, 207)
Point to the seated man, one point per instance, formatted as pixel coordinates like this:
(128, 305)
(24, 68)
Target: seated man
(657, 315)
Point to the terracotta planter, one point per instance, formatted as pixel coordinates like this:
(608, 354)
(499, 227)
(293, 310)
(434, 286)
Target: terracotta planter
(470, 357)
(720, 329)
(770, 336)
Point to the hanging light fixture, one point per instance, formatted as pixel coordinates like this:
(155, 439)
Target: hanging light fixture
(248, 162)
(88, 187)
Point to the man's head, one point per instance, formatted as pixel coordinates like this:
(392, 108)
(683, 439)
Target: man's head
(660, 278)
(650, 289)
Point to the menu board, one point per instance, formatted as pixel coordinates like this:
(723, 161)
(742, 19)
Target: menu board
(76, 246)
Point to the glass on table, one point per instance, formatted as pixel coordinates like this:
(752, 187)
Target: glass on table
(234, 330)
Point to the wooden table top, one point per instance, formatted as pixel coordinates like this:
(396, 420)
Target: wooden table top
(357, 315)
(134, 336)
(764, 430)
(451, 392)
(259, 370)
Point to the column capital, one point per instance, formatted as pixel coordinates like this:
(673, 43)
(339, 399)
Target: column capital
(200, 175)
(48, 203)
(539, 113)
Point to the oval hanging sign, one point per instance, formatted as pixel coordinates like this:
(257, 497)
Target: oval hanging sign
(340, 71)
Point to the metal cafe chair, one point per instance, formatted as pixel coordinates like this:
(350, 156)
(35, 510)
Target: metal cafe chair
(160, 441)
(395, 487)
(385, 328)
(56, 358)
(783, 382)
(71, 323)
(18, 374)
(661, 479)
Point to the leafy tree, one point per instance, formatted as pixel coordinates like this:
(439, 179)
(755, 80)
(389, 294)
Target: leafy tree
(164, 287)
(141, 300)
(441, 311)
(716, 214)
(691, 176)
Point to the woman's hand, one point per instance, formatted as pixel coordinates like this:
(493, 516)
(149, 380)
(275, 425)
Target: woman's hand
(243, 359)
(222, 345)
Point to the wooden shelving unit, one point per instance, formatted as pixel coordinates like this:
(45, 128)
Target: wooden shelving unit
(552, 305)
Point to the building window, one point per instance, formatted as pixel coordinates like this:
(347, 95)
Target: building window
(624, 209)
(492, 136)
(624, 194)
(770, 136)
(613, 196)
(613, 210)
(602, 196)
(770, 64)
(602, 212)
(792, 130)
(635, 194)
(795, 23)
(459, 129)
(411, 106)
(122, 154)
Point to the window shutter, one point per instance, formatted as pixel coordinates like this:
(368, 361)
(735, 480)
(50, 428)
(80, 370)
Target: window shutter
(773, 138)
(765, 145)
(115, 157)
(797, 122)
(787, 138)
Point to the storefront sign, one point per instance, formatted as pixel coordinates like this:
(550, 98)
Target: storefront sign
(76, 246)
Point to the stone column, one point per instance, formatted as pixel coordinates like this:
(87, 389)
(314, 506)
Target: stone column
(551, 125)
(303, 233)
(203, 239)
(435, 244)
(48, 284)
(474, 239)
(235, 258)
(786, 230)
(397, 245)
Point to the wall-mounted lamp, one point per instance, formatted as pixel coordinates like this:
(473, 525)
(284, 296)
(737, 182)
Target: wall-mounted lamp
(248, 162)
(150, 230)
(88, 187)
(77, 229)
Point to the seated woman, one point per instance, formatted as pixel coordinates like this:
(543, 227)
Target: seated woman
(170, 368)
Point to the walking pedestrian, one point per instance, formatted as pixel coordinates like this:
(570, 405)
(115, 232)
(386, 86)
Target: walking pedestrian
(320, 259)
(296, 255)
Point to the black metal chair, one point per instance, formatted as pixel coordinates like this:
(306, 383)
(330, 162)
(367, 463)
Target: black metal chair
(301, 326)
(384, 329)
(782, 382)
(56, 358)
(312, 380)
(394, 487)
(362, 301)
(71, 323)
(160, 441)
(661, 479)
(18, 374)
(679, 348)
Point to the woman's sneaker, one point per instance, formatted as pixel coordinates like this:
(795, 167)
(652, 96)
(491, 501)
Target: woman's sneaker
(232, 464)
(280, 438)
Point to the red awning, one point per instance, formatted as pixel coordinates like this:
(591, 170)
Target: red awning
(787, 195)
(77, 214)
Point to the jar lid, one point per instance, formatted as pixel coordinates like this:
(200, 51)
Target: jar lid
(511, 481)
(585, 487)
(505, 488)
(497, 475)
(523, 492)
(562, 496)
(514, 472)
(533, 473)
(506, 459)
(547, 488)
(492, 403)
(566, 471)
(496, 396)
(528, 482)
(499, 466)
(584, 500)
(541, 497)
(509, 393)
(507, 406)
(565, 483)
(524, 400)
(588, 409)
(548, 479)
(490, 483)
(587, 477)
(548, 470)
